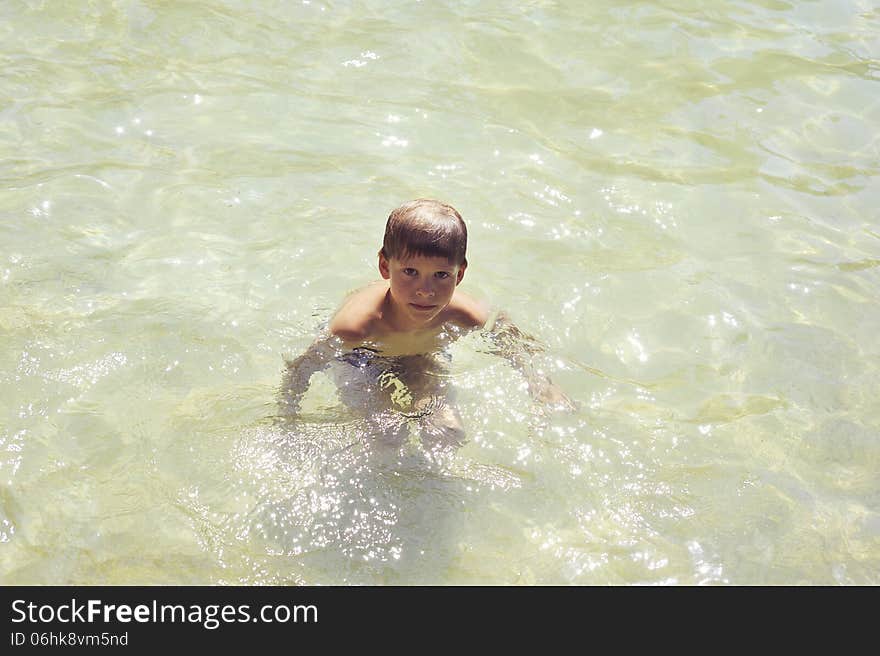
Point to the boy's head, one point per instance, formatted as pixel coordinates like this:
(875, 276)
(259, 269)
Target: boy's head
(428, 228)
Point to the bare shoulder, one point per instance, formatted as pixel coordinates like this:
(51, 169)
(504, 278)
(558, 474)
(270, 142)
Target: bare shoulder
(468, 311)
(359, 313)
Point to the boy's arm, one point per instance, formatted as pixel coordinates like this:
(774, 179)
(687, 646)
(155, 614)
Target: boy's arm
(351, 323)
(520, 349)
(298, 373)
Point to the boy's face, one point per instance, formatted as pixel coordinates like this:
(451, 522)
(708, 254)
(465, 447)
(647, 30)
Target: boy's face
(421, 286)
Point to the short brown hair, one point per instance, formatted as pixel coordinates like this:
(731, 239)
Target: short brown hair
(426, 227)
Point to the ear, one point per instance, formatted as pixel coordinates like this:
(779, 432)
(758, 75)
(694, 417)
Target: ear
(384, 266)
(461, 272)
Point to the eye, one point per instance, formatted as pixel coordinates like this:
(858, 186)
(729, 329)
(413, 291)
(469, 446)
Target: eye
(442, 275)
(409, 271)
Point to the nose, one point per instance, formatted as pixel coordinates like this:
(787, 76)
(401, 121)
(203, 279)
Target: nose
(425, 290)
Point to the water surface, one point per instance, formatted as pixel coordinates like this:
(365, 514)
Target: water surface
(679, 201)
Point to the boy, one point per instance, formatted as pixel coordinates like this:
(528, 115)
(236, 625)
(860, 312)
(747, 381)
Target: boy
(392, 332)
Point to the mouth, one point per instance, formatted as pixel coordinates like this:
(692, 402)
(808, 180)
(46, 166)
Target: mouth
(422, 308)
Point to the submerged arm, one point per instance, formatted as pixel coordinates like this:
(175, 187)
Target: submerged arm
(298, 373)
(519, 349)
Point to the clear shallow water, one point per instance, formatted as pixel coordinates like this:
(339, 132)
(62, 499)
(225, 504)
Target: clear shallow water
(679, 201)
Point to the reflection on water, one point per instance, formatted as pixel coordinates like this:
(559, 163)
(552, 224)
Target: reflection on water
(679, 200)
(332, 494)
(347, 507)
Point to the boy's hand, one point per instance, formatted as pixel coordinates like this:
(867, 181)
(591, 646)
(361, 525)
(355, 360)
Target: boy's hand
(550, 394)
